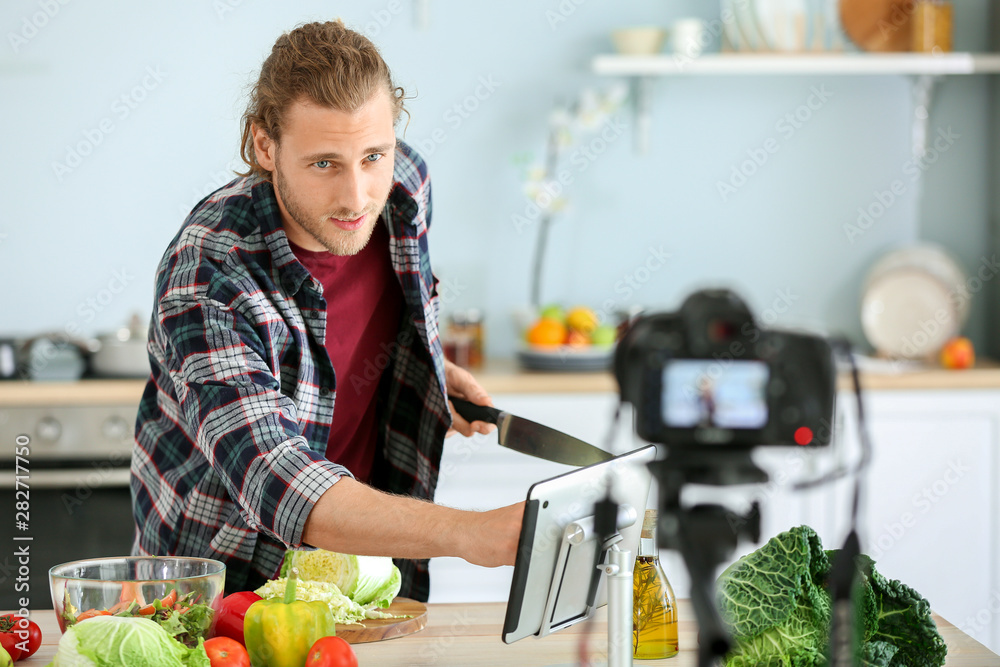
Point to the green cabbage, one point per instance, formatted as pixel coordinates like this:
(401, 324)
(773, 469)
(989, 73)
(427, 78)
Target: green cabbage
(778, 610)
(114, 641)
(368, 580)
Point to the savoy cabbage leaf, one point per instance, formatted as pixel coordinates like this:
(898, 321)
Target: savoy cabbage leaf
(774, 603)
(778, 610)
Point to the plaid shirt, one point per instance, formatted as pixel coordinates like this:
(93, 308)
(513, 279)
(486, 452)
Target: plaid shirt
(232, 428)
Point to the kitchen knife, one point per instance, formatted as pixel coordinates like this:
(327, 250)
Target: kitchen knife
(528, 437)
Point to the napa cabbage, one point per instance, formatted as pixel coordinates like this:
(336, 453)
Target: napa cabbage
(777, 607)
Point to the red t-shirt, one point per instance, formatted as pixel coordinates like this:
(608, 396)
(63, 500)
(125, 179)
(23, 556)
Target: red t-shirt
(363, 308)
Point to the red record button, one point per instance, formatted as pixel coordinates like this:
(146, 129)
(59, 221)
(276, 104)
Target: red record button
(803, 435)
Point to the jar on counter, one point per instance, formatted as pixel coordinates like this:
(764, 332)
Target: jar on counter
(463, 338)
(933, 24)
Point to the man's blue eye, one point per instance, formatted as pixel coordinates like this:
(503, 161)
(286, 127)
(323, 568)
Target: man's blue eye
(374, 157)
(323, 164)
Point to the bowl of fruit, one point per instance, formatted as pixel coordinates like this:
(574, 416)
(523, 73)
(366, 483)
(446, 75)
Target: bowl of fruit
(573, 339)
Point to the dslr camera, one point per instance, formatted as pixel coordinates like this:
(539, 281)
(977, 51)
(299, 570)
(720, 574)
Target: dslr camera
(708, 376)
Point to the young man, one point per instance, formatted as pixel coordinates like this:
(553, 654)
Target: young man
(298, 393)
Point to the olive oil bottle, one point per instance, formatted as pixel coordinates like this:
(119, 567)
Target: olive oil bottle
(654, 611)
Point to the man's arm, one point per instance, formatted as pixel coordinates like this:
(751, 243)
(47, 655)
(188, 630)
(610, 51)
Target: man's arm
(351, 517)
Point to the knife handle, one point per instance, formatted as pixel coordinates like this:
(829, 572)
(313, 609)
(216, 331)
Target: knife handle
(472, 412)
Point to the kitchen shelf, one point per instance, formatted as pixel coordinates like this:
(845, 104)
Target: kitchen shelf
(737, 64)
(925, 68)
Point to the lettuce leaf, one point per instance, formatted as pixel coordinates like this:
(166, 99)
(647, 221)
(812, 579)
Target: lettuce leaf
(112, 641)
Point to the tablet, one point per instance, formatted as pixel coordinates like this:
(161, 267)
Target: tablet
(555, 582)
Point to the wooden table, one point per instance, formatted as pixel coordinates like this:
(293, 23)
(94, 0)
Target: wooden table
(469, 634)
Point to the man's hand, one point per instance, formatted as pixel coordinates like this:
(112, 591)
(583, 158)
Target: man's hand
(494, 537)
(462, 385)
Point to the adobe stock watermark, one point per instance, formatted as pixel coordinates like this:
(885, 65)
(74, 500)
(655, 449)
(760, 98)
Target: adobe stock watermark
(883, 200)
(787, 127)
(580, 159)
(722, 362)
(381, 18)
(456, 115)
(958, 298)
(216, 180)
(923, 501)
(630, 283)
(979, 625)
(714, 29)
(98, 477)
(224, 7)
(87, 310)
(898, 18)
(448, 292)
(121, 108)
(562, 12)
(34, 23)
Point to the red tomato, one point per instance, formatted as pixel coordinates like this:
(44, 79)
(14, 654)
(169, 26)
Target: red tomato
(9, 641)
(17, 633)
(34, 637)
(231, 612)
(331, 652)
(226, 652)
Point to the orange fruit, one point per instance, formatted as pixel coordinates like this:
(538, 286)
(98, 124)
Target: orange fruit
(547, 332)
(958, 353)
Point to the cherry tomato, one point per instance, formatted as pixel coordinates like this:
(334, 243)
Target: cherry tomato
(331, 652)
(226, 652)
(232, 609)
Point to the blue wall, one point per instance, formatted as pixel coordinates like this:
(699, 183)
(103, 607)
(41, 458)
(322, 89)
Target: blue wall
(79, 248)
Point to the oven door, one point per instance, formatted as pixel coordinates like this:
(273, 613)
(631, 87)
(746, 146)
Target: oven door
(82, 511)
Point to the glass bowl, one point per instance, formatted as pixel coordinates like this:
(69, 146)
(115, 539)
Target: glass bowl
(111, 584)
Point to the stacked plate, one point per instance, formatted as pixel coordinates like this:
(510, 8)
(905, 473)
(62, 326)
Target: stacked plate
(783, 25)
(913, 302)
(566, 358)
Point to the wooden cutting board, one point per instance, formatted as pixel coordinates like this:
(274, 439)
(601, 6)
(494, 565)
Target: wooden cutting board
(878, 25)
(374, 630)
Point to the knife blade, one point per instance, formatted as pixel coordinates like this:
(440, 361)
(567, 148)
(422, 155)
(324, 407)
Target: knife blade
(531, 438)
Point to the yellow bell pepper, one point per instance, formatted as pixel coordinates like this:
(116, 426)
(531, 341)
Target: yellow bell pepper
(280, 631)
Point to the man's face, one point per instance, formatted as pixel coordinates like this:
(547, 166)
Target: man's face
(332, 172)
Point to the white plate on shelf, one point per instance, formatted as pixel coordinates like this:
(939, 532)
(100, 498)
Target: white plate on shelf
(907, 313)
(730, 28)
(746, 25)
(566, 358)
(784, 25)
(933, 260)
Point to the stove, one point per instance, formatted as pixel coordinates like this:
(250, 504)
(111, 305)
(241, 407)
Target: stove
(65, 484)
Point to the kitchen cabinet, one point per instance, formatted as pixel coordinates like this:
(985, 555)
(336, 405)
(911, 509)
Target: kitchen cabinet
(930, 517)
(932, 510)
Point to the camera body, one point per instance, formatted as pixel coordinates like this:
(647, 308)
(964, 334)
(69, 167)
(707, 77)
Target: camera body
(708, 376)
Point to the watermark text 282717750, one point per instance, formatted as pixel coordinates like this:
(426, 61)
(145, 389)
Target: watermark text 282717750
(22, 519)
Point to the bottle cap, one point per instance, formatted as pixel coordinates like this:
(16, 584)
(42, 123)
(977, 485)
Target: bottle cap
(649, 525)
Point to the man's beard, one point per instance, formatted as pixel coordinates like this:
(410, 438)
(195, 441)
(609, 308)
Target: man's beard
(334, 239)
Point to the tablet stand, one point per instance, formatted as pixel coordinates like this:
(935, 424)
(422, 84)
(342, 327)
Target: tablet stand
(577, 554)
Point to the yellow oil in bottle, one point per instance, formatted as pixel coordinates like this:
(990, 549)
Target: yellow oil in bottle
(654, 611)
